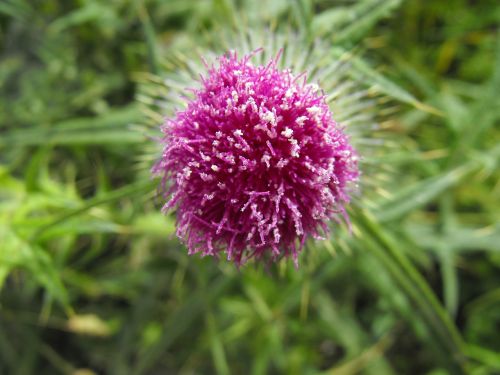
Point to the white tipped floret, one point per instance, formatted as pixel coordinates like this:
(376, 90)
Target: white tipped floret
(314, 87)
(206, 177)
(248, 88)
(295, 147)
(252, 104)
(282, 163)
(314, 110)
(287, 133)
(300, 120)
(269, 117)
(290, 92)
(277, 236)
(187, 172)
(265, 159)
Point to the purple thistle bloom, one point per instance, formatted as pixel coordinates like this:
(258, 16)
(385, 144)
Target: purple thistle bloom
(255, 164)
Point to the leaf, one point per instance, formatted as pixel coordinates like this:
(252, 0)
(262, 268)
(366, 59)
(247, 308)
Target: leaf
(450, 280)
(303, 10)
(92, 11)
(460, 239)
(345, 328)
(126, 191)
(150, 37)
(4, 272)
(362, 72)
(177, 322)
(384, 247)
(485, 355)
(15, 9)
(349, 24)
(364, 16)
(328, 20)
(17, 253)
(80, 226)
(216, 345)
(113, 127)
(365, 359)
(421, 193)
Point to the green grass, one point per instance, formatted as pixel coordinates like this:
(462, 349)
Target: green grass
(92, 277)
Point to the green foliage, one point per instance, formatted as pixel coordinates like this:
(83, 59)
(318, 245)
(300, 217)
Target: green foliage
(92, 278)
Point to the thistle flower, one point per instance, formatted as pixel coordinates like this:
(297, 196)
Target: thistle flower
(255, 164)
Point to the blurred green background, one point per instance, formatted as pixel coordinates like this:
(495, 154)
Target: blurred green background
(92, 279)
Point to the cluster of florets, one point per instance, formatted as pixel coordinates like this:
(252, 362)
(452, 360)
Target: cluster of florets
(255, 164)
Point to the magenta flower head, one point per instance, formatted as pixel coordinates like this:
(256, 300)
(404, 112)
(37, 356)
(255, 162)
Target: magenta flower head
(256, 163)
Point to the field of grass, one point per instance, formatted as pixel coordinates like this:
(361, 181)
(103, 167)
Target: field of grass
(92, 277)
